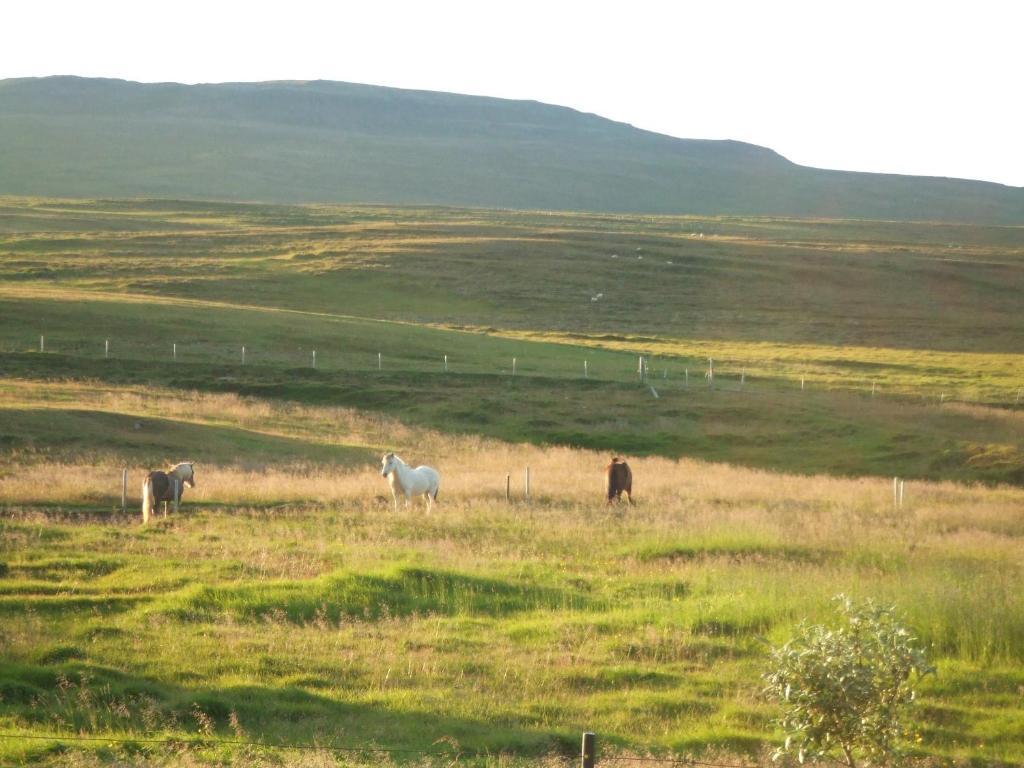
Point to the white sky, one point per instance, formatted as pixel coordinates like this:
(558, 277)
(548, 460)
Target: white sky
(902, 86)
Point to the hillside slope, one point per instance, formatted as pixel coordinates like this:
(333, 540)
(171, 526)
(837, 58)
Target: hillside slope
(340, 142)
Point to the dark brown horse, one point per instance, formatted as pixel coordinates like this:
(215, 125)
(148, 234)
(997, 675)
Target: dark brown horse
(160, 486)
(618, 479)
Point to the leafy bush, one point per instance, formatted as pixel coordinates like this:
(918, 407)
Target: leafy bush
(844, 689)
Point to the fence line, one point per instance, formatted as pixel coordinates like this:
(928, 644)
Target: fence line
(588, 753)
(733, 378)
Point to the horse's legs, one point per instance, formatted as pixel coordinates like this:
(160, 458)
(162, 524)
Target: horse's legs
(430, 501)
(165, 507)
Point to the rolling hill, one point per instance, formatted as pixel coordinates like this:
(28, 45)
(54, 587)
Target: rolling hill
(341, 142)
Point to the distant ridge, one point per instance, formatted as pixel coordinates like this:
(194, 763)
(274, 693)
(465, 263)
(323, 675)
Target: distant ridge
(324, 141)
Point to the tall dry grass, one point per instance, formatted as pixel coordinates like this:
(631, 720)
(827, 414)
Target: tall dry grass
(683, 494)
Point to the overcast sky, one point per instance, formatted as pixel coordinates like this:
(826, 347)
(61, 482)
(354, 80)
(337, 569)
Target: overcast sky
(930, 88)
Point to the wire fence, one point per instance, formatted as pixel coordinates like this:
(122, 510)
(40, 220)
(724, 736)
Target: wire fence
(589, 757)
(657, 374)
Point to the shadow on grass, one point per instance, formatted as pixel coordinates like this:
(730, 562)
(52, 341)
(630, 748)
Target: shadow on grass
(77, 432)
(404, 592)
(768, 428)
(83, 699)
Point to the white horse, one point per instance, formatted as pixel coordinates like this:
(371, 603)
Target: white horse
(410, 482)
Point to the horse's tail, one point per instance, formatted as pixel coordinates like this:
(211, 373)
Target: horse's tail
(147, 499)
(437, 485)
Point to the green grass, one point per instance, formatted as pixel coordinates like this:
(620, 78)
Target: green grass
(303, 609)
(409, 629)
(765, 425)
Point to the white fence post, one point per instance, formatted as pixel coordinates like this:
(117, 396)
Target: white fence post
(243, 354)
(513, 366)
(314, 358)
(586, 373)
(379, 361)
(106, 348)
(174, 351)
(446, 363)
(42, 343)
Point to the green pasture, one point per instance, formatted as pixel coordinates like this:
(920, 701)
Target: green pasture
(491, 631)
(504, 630)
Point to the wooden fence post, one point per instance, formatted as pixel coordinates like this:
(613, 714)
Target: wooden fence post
(508, 488)
(124, 490)
(588, 754)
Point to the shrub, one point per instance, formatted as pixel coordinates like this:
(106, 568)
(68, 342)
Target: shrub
(844, 689)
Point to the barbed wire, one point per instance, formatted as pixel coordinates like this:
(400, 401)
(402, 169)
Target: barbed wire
(675, 761)
(203, 741)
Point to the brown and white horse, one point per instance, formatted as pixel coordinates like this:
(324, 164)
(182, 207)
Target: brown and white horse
(160, 486)
(618, 479)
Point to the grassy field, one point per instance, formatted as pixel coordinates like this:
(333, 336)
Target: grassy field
(287, 602)
(810, 317)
